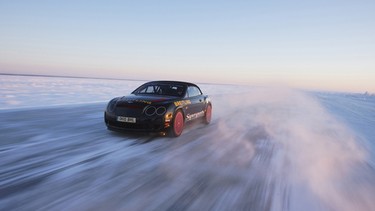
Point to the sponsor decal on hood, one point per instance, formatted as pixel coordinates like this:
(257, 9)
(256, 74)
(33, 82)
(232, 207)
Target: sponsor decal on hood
(182, 103)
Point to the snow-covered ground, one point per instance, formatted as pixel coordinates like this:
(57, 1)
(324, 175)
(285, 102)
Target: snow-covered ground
(266, 149)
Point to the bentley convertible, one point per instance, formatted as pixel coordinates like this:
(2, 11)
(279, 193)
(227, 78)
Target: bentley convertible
(158, 106)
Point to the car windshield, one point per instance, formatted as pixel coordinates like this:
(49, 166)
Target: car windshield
(176, 90)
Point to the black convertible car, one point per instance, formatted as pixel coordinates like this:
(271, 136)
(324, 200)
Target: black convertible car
(158, 106)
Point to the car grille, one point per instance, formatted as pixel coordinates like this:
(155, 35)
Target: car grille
(129, 110)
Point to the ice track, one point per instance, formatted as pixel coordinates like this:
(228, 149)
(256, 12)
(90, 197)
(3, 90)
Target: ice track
(284, 152)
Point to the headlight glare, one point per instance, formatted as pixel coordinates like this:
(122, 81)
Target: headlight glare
(111, 105)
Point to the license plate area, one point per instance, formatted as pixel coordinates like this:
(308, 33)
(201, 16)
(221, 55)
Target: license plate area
(126, 119)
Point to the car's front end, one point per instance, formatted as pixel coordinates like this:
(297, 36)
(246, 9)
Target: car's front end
(141, 114)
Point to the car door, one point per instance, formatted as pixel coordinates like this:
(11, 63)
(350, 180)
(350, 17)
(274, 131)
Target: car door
(197, 100)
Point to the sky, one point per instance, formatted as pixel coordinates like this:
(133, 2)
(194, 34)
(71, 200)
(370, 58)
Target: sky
(319, 45)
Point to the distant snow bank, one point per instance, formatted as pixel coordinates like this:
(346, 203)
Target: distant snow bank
(36, 91)
(30, 91)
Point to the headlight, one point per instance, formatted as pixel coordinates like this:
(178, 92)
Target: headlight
(152, 110)
(161, 110)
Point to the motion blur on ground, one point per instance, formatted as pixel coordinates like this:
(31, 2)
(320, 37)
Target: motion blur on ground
(266, 149)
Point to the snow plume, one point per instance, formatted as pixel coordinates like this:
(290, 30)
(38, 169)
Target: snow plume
(314, 159)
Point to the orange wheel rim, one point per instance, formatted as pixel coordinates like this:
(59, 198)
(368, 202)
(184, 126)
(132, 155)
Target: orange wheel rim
(208, 113)
(178, 123)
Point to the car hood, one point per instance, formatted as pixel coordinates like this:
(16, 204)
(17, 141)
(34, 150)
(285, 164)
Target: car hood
(145, 99)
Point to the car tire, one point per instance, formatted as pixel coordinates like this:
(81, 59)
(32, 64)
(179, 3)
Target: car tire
(208, 114)
(178, 124)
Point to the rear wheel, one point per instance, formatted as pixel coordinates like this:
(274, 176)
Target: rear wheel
(208, 116)
(178, 124)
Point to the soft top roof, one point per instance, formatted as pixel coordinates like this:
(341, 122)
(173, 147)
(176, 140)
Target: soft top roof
(172, 82)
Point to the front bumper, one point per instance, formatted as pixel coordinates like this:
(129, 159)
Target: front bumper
(143, 124)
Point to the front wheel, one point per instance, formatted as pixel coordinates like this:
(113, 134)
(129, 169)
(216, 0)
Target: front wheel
(178, 124)
(208, 115)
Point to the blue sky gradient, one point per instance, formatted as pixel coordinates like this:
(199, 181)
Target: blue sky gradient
(326, 45)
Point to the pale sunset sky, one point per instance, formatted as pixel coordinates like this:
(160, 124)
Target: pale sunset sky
(319, 45)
